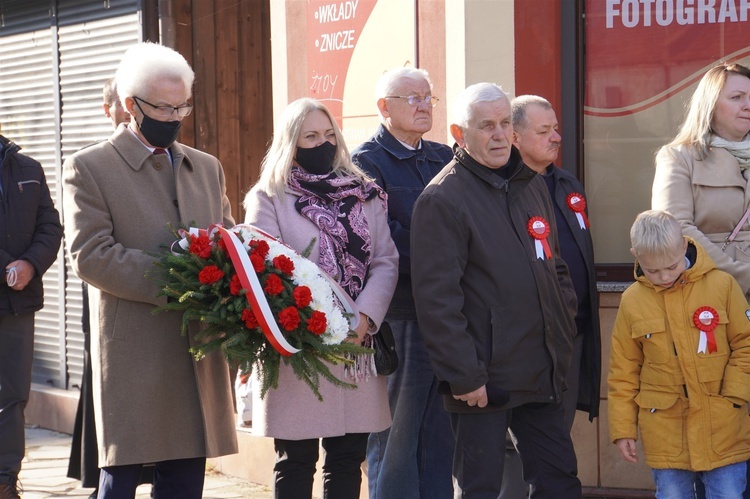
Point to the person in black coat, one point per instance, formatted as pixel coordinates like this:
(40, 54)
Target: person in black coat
(30, 235)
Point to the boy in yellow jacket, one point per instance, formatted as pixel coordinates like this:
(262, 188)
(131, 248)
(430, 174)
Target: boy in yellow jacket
(680, 365)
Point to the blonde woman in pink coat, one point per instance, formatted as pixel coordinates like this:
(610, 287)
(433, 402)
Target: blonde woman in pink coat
(309, 189)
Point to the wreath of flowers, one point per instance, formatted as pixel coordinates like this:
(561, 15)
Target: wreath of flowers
(304, 323)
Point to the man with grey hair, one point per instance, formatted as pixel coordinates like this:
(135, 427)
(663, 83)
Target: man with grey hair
(154, 403)
(412, 459)
(535, 134)
(536, 137)
(496, 304)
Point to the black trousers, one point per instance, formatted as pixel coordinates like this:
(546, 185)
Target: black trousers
(544, 444)
(175, 479)
(295, 466)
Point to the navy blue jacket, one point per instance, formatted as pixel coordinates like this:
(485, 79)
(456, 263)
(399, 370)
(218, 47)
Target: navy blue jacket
(29, 227)
(403, 173)
(587, 317)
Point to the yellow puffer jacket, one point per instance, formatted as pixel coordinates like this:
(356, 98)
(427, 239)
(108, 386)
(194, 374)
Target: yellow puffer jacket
(690, 407)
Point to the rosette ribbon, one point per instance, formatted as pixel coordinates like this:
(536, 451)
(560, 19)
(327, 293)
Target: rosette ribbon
(538, 228)
(706, 319)
(577, 204)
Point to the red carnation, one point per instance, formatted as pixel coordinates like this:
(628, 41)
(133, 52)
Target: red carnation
(259, 247)
(317, 323)
(302, 296)
(210, 274)
(273, 286)
(251, 322)
(259, 263)
(234, 285)
(222, 244)
(201, 246)
(284, 264)
(289, 318)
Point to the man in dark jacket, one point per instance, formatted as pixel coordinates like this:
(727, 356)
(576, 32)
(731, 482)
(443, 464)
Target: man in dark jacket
(496, 305)
(30, 234)
(536, 137)
(416, 462)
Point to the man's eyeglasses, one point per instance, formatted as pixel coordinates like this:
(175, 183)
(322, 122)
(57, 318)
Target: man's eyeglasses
(415, 100)
(166, 111)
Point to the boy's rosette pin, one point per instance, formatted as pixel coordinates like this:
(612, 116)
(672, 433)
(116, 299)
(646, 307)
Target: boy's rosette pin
(706, 319)
(260, 303)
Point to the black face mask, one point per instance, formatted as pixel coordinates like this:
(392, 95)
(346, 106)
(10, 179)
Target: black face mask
(158, 133)
(317, 160)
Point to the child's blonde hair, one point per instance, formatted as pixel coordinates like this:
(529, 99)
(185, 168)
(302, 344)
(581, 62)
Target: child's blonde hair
(655, 233)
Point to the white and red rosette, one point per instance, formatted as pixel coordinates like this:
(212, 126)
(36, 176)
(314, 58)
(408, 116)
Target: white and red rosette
(706, 319)
(538, 228)
(577, 204)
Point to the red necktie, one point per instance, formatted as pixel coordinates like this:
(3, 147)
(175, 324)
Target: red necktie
(159, 150)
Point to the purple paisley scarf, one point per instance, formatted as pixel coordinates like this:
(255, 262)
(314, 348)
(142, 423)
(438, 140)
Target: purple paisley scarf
(336, 206)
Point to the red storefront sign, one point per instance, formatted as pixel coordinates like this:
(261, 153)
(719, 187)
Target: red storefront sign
(641, 52)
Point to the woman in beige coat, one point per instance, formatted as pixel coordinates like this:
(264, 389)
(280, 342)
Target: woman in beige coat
(703, 175)
(309, 189)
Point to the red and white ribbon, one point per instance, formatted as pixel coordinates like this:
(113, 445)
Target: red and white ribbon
(346, 301)
(255, 295)
(538, 228)
(184, 242)
(577, 204)
(706, 319)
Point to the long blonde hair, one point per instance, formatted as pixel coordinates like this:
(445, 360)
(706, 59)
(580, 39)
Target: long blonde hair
(276, 167)
(696, 130)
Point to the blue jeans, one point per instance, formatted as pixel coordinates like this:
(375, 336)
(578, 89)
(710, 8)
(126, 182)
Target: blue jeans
(413, 459)
(727, 482)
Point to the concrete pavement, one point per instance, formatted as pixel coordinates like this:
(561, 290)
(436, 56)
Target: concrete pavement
(46, 464)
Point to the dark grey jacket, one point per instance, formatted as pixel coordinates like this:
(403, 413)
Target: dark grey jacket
(491, 312)
(29, 227)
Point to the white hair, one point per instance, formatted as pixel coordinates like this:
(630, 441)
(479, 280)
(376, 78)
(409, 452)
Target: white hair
(389, 82)
(146, 62)
(463, 108)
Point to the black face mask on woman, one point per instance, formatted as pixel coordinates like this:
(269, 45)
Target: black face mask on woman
(317, 160)
(159, 133)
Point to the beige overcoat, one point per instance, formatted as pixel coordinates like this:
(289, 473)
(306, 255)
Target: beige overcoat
(153, 401)
(292, 412)
(708, 197)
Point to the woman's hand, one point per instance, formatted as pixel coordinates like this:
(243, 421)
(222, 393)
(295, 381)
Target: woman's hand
(362, 328)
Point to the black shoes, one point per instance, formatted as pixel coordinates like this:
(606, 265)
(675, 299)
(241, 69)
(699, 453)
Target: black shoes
(9, 491)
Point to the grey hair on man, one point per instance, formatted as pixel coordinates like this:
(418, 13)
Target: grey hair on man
(473, 94)
(147, 62)
(389, 82)
(519, 106)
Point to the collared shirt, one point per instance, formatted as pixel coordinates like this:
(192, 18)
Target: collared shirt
(152, 149)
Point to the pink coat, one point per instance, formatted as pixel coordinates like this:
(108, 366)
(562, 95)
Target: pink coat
(292, 411)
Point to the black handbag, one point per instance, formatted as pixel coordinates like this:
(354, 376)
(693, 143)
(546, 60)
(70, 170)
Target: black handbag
(386, 357)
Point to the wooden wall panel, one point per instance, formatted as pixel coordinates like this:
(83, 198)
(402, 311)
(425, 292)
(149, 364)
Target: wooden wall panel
(229, 46)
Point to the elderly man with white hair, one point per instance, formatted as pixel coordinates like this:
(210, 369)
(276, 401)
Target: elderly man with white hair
(412, 459)
(496, 304)
(154, 403)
